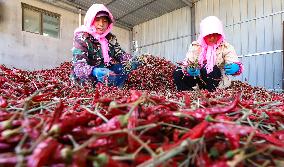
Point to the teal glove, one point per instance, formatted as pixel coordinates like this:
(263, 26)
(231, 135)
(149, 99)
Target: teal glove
(231, 69)
(100, 73)
(193, 71)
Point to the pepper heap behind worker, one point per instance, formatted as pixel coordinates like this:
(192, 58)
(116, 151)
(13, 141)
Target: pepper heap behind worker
(209, 60)
(97, 56)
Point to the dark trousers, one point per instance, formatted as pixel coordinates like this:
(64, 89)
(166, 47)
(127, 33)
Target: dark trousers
(204, 81)
(120, 76)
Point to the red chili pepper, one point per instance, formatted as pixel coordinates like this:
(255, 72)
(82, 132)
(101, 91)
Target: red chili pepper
(203, 160)
(42, 153)
(187, 100)
(176, 135)
(140, 158)
(30, 127)
(132, 123)
(8, 160)
(3, 102)
(194, 133)
(70, 122)
(197, 131)
(232, 132)
(5, 147)
(42, 97)
(80, 158)
(201, 113)
(109, 142)
(56, 114)
(279, 134)
(105, 160)
(115, 123)
(80, 133)
(270, 139)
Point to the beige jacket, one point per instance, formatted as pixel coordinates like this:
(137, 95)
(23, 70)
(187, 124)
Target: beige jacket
(225, 54)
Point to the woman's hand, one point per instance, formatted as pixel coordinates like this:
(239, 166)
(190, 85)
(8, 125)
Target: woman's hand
(231, 69)
(193, 71)
(100, 73)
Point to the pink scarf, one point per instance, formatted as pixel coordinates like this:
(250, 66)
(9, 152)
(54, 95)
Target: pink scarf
(209, 25)
(89, 28)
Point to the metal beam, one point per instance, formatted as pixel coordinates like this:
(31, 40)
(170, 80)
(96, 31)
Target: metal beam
(60, 5)
(187, 2)
(134, 10)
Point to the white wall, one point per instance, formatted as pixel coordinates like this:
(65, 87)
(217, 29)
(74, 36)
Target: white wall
(30, 51)
(166, 36)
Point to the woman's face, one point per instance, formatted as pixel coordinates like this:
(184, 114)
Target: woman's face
(212, 39)
(101, 24)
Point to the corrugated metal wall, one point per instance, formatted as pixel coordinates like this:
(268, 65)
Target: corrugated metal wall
(166, 36)
(253, 27)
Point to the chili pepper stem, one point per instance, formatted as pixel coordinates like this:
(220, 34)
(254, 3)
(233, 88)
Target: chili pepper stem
(131, 156)
(10, 132)
(18, 148)
(257, 165)
(241, 156)
(152, 153)
(209, 118)
(175, 126)
(245, 113)
(96, 112)
(135, 104)
(164, 156)
(176, 102)
(85, 144)
(41, 107)
(7, 124)
(20, 153)
(42, 137)
(74, 143)
(97, 134)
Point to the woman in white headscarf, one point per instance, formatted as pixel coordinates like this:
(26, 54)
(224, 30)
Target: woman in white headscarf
(97, 56)
(209, 59)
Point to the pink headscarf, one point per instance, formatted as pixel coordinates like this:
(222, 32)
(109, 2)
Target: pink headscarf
(90, 28)
(209, 25)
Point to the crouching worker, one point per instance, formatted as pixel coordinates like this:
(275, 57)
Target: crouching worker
(97, 56)
(209, 60)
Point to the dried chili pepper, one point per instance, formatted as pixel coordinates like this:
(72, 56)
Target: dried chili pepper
(70, 122)
(232, 132)
(43, 152)
(3, 102)
(117, 122)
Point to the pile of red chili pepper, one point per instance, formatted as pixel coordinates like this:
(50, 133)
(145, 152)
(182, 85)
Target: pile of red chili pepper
(154, 74)
(46, 120)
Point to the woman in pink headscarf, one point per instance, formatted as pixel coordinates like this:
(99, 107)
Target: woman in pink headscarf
(209, 60)
(97, 57)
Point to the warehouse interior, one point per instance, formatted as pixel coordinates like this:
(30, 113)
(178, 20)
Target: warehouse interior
(167, 85)
(163, 28)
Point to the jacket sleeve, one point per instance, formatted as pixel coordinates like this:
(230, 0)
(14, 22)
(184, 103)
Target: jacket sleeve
(191, 59)
(230, 56)
(119, 53)
(80, 57)
(192, 55)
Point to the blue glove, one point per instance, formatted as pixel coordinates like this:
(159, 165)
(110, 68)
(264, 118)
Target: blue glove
(231, 69)
(100, 73)
(193, 71)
